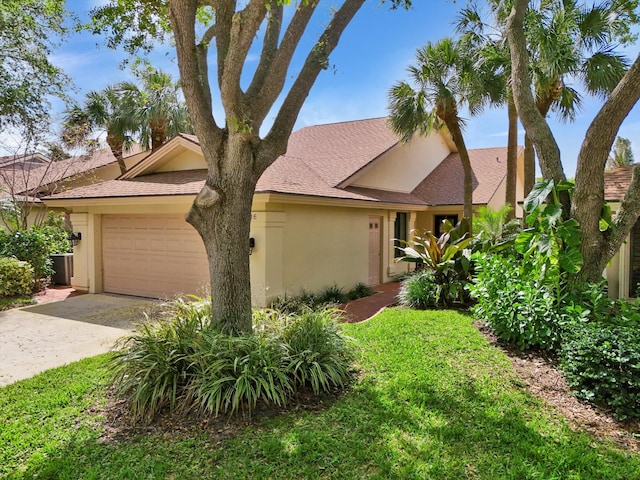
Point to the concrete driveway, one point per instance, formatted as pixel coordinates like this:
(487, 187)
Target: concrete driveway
(40, 337)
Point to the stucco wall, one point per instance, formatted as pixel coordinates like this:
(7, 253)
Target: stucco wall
(403, 167)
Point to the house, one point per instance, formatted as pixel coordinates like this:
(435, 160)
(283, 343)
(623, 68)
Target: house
(27, 178)
(623, 272)
(327, 212)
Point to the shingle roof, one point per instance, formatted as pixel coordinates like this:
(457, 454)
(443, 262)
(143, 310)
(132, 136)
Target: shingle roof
(317, 160)
(616, 183)
(338, 150)
(183, 182)
(29, 180)
(444, 186)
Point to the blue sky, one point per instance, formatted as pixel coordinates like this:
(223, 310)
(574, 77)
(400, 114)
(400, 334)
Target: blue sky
(374, 52)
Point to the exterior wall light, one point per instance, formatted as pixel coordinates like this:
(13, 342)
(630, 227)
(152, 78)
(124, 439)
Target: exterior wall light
(74, 238)
(252, 244)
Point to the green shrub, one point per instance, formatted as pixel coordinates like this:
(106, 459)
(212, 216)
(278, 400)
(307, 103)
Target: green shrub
(419, 291)
(361, 290)
(328, 297)
(182, 363)
(317, 354)
(520, 307)
(16, 277)
(601, 363)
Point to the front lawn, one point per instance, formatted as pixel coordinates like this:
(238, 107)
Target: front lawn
(433, 400)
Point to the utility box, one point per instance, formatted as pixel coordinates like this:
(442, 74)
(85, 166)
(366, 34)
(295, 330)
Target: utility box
(62, 268)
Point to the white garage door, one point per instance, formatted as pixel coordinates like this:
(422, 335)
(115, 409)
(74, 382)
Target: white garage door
(152, 256)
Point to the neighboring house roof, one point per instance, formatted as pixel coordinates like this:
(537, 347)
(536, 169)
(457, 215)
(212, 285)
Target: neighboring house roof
(443, 185)
(616, 182)
(319, 162)
(27, 159)
(18, 179)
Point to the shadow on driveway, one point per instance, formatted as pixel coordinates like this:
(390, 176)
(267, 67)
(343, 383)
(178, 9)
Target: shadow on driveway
(37, 338)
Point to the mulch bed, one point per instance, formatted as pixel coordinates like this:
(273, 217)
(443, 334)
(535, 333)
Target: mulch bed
(542, 378)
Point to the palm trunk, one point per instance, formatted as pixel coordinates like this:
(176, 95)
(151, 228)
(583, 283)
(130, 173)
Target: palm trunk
(115, 143)
(529, 165)
(453, 124)
(512, 156)
(221, 213)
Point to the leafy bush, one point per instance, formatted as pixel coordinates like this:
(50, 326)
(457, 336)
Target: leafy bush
(602, 363)
(517, 303)
(419, 291)
(16, 277)
(184, 364)
(30, 246)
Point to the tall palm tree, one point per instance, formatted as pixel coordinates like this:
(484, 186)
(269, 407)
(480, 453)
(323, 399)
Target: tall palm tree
(621, 155)
(110, 109)
(444, 81)
(161, 113)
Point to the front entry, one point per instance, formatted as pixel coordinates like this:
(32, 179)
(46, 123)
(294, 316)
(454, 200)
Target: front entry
(375, 242)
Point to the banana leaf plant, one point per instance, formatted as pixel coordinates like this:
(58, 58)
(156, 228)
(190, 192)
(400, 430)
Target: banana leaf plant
(448, 257)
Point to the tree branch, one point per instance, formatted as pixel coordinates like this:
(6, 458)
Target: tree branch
(192, 62)
(224, 11)
(263, 92)
(269, 47)
(275, 143)
(244, 27)
(534, 123)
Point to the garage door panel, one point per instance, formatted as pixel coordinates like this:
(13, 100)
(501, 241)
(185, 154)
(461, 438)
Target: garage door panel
(152, 255)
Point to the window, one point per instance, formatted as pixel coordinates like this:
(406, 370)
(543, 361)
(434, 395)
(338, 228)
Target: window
(438, 219)
(400, 233)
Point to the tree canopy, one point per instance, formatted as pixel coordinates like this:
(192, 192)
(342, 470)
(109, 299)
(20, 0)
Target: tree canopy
(29, 30)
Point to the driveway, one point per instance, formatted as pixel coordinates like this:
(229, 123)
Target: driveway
(40, 337)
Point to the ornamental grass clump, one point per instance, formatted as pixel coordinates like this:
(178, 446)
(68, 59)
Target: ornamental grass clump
(182, 363)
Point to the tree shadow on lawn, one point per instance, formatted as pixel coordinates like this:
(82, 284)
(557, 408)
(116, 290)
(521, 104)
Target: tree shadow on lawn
(400, 430)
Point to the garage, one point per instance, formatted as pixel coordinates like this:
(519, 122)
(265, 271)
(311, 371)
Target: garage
(156, 256)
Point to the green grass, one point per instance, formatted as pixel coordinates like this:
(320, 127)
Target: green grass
(13, 302)
(434, 401)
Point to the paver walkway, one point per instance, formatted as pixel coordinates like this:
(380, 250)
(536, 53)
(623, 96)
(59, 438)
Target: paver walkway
(365, 308)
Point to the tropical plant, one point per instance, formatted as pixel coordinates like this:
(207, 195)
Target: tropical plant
(493, 231)
(447, 257)
(444, 80)
(621, 155)
(110, 109)
(550, 239)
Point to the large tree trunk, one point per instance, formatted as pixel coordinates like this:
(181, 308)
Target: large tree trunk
(512, 156)
(221, 214)
(534, 122)
(598, 247)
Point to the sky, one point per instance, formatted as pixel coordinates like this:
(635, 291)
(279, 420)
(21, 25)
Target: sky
(373, 54)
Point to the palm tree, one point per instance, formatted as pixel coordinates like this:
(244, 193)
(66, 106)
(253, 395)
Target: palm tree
(621, 155)
(445, 80)
(161, 113)
(111, 110)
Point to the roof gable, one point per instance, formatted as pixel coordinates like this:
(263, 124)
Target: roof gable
(182, 152)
